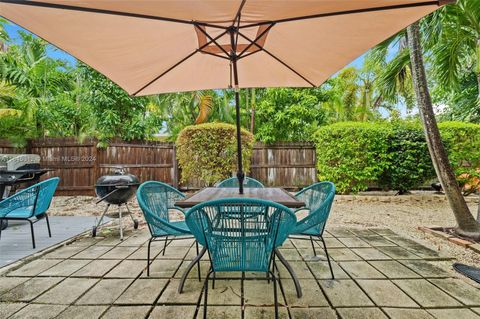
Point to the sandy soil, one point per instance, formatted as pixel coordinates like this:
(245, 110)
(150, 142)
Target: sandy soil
(401, 217)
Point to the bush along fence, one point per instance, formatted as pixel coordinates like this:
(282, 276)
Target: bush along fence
(393, 155)
(80, 163)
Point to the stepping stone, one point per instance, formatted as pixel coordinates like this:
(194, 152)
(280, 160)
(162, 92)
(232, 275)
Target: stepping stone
(426, 269)
(361, 313)
(453, 313)
(136, 240)
(340, 232)
(204, 267)
(65, 268)
(142, 253)
(321, 270)
(399, 313)
(7, 283)
(30, 289)
(221, 312)
(384, 231)
(34, 311)
(67, 291)
(378, 241)
(300, 268)
(226, 292)
(119, 253)
(393, 269)
(459, 289)
(127, 269)
(163, 268)
(92, 252)
(34, 267)
(64, 252)
(312, 294)
(477, 310)
(385, 294)
(344, 293)
(264, 313)
(426, 294)
(260, 293)
(333, 243)
(172, 312)
(307, 254)
(343, 254)
(398, 253)
(191, 292)
(97, 268)
(360, 269)
(143, 291)
(313, 313)
(353, 242)
(291, 254)
(370, 254)
(82, 312)
(7, 309)
(105, 292)
(126, 312)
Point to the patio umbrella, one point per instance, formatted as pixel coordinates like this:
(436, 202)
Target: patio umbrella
(154, 46)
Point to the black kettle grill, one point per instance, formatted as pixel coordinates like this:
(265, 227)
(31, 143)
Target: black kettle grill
(116, 189)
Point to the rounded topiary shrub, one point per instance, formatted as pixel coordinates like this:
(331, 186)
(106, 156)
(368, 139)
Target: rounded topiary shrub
(352, 154)
(207, 152)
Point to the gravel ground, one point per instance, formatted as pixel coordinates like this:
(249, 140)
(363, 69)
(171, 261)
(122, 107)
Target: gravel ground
(402, 214)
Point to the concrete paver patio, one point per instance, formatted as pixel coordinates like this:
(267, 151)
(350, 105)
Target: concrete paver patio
(378, 275)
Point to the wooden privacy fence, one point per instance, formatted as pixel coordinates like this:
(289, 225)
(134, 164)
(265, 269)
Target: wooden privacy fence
(79, 164)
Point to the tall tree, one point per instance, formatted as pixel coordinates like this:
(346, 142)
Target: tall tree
(466, 223)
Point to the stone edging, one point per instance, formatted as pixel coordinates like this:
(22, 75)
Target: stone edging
(432, 198)
(441, 232)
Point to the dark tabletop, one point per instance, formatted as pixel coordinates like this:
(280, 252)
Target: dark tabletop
(278, 195)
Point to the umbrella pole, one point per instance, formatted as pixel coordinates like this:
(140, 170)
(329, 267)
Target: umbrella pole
(233, 60)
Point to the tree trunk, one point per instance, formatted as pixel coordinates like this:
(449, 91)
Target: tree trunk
(478, 69)
(252, 116)
(466, 223)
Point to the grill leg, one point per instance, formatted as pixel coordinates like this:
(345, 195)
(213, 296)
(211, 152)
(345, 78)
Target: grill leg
(103, 215)
(120, 221)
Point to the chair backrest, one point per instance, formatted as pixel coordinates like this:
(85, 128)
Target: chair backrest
(45, 189)
(155, 199)
(318, 200)
(240, 233)
(248, 182)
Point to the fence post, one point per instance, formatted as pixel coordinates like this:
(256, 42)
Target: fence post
(175, 167)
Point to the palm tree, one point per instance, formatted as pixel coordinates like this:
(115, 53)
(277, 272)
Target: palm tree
(453, 36)
(466, 223)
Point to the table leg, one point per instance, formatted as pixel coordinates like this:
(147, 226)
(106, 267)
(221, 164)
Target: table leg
(189, 268)
(290, 271)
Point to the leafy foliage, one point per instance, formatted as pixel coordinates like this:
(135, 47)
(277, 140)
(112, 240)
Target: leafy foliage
(410, 164)
(208, 152)
(289, 115)
(352, 154)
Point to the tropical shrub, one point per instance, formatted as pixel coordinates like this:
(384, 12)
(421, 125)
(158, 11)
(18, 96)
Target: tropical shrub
(410, 164)
(462, 141)
(208, 152)
(352, 154)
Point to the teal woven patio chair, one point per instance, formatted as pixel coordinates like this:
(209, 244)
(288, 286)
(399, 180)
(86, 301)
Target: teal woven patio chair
(318, 200)
(156, 199)
(240, 244)
(248, 182)
(30, 202)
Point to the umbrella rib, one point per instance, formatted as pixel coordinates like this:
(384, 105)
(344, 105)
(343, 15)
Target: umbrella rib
(105, 11)
(354, 11)
(178, 63)
(280, 61)
(254, 42)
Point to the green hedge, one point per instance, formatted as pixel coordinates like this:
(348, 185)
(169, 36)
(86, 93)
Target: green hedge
(208, 152)
(390, 155)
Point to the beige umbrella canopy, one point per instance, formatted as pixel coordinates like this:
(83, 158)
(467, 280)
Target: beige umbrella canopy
(158, 46)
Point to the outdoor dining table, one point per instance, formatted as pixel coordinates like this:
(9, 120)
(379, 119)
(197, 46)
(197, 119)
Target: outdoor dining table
(275, 194)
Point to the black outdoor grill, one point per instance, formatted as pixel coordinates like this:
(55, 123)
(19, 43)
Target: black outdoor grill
(117, 190)
(16, 169)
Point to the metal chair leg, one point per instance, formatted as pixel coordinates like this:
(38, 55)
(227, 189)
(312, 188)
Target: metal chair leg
(165, 246)
(328, 257)
(275, 298)
(48, 225)
(198, 266)
(189, 268)
(206, 295)
(148, 256)
(313, 246)
(33, 235)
